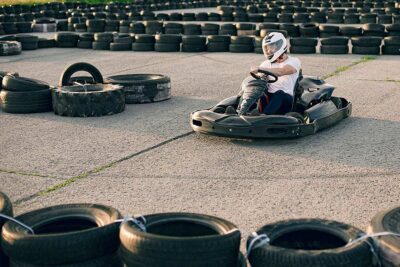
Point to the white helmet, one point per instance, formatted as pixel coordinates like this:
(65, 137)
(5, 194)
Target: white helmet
(274, 45)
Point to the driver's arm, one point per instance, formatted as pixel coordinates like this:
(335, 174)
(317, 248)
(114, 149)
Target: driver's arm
(285, 70)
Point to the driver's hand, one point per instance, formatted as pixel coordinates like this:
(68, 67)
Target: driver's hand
(254, 69)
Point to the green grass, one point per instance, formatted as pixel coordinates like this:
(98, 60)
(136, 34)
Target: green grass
(344, 68)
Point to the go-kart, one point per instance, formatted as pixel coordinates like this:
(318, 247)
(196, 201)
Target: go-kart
(314, 108)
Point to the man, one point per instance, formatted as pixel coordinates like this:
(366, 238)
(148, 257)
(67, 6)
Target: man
(279, 96)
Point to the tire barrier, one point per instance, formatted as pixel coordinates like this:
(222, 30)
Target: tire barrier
(294, 242)
(179, 237)
(24, 95)
(334, 45)
(48, 237)
(167, 43)
(58, 230)
(6, 209)
(366, 45)
(388, 245)
(303, 45)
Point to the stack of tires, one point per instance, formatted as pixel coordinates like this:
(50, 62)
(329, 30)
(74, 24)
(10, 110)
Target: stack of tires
(393, 30)
(86, 100)
(153, 27)
(46, 43)
(24, 95)
(245, 29)
(303, 45)
(10, 48)
(366, 45)
(192, 43)
(328, 31)
(292, 30)
(181, 239)
(102, 41)
(167, 43)
(258, 45)
(350, 31)
(142, 88)
(24, 27)
(209, 29)
(137, 28)
(334, 45)
(391, 45)
(95, 25)
(218, 43)
(121, 43)
(227, 29)
(173, 28)
(241, 44)
(143, 42)
(44, 25)
(86, 41)
(124, 26)
(373, 29)
(66, 40)
(6, 209)
(191, 29)
(111, 25)
(58, 230)
(309, 30)
(28, 42)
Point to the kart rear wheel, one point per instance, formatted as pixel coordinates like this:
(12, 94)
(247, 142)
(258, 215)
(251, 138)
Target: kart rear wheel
(296, 115)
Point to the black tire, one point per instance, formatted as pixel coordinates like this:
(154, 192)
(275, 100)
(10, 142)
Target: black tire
(167, 47)
(366, 41)
(181, 239)
(103, 37)
(120, 47)
(88, 100)
(10, 48)
(339, 40)
(242, 40)
(168, 38)
(6, 209)
(309, 30)
(303, 41)
(334, 49)
(219, 39)
(217, 47)
(26, 102)
(373, 27)
(193, 48)
(360, 50)
(241, 48)
(89, 37)
(389, 246)
(143, 88)
(302, 49)
(101, 46)
(80, 66)
(329, 29)
(46, 43)
(123, 40)
(350, 31)
(29, 46)
(143, 46)
(194, 40)
(21, 84)
(295, 242)
(85, 44)
(145, 38)
(63, 234)
(66, 40)
(392, 41)
(104, 261)
(391, 50)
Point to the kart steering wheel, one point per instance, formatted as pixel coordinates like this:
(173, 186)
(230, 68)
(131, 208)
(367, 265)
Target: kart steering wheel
(266, 73)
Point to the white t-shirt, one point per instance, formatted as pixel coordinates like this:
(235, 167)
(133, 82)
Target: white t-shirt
(284, 83)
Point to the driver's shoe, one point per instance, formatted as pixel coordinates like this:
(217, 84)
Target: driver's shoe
(230, 110)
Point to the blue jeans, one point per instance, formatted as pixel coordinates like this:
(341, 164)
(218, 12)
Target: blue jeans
(279, 103)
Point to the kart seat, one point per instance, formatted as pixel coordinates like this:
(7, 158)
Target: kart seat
(298, 90)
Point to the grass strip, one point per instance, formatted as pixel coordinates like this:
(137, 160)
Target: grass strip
(344, 68)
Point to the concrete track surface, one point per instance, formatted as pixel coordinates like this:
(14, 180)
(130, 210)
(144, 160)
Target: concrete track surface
(147, 159)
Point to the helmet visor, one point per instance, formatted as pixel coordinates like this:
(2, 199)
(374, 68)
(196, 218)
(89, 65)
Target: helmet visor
(271, 48)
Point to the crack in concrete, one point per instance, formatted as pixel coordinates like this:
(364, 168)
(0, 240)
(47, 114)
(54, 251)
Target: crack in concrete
(97, 170)
(386, 80)
(347, 67)
(30, 174)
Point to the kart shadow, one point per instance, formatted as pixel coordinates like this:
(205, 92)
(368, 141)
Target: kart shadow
(356, 141)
